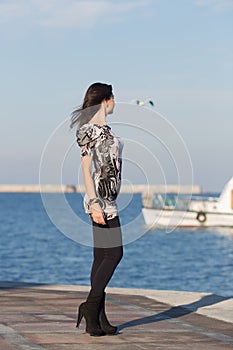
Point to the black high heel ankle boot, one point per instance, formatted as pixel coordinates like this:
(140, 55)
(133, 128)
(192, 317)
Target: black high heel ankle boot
(90, 311)
(104, 323)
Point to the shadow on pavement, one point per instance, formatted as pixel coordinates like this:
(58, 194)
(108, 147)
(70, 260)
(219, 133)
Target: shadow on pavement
(176, 311)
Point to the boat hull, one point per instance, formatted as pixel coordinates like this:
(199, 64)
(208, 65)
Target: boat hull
(179, 218)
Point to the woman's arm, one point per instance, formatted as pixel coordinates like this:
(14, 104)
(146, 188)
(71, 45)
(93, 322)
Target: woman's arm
(88, 181)
(97, 213)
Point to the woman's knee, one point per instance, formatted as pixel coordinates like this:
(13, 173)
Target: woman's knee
(117, 254)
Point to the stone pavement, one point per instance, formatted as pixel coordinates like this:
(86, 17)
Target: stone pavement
(37, 317)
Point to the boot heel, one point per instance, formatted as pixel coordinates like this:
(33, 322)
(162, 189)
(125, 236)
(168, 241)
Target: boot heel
(90, 311)
(80, 316)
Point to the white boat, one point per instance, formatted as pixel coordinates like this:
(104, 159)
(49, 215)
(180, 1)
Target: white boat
(190, 211)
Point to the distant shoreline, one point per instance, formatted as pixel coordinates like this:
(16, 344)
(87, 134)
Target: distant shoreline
(80, 188)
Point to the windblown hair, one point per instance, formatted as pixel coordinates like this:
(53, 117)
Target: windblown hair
(95, 94)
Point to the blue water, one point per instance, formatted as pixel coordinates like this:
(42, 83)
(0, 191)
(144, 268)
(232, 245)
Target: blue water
(32, 249)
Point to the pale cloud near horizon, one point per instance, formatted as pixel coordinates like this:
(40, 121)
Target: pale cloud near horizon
(216, 5)
(80, 13)
(12, 10)
(67, 13)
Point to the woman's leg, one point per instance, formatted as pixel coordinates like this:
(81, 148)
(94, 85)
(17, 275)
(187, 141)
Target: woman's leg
(108, 252)
(98, 255)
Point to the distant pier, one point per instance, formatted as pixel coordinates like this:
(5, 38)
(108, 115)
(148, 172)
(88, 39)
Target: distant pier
(134, 188)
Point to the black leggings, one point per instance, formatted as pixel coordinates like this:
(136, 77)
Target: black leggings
(108, 252)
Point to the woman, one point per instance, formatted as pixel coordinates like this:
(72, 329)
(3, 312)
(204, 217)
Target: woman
(103, 148)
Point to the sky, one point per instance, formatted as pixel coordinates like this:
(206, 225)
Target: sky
(179, 53)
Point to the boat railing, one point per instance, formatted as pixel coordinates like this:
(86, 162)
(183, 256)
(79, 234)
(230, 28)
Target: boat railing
(171, 201)
(205, 199)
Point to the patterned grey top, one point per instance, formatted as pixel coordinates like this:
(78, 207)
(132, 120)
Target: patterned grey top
(106, 149)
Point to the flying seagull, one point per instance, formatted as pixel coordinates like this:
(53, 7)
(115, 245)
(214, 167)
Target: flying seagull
(143, 103)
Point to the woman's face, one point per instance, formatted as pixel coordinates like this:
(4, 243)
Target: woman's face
(110, 105)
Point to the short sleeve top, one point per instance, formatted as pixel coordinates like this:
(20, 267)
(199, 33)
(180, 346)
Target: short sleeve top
(106, 149)
(88, 137)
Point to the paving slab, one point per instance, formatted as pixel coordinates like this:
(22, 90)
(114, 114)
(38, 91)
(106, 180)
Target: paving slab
(37, 317)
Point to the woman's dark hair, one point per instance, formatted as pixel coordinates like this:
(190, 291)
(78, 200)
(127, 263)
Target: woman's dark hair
(95, 94)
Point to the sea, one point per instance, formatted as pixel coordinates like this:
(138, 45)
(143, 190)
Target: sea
(34, 249)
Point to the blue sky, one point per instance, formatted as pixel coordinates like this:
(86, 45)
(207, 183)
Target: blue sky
(179, 53)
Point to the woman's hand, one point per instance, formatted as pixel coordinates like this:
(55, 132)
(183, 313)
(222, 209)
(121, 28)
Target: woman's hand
(97, 214)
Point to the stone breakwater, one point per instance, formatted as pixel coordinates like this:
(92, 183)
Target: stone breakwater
(144, 189)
